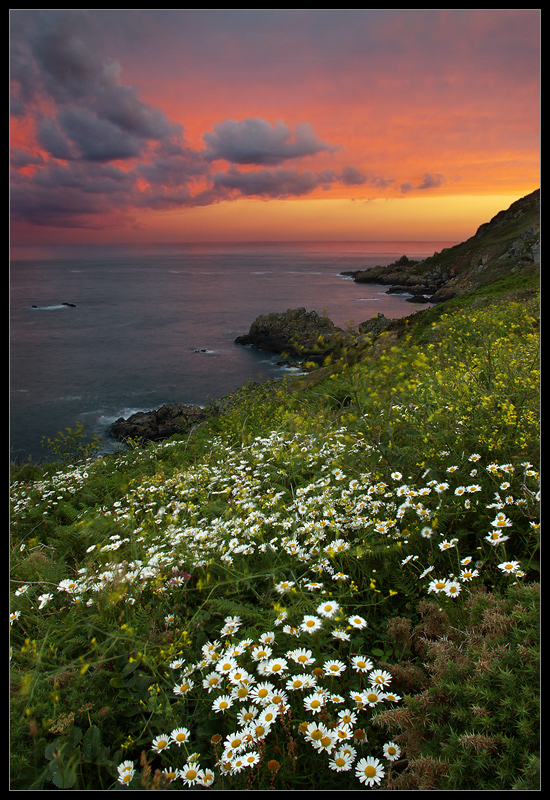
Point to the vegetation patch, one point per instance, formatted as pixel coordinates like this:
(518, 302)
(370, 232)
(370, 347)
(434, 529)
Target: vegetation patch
(338, 577)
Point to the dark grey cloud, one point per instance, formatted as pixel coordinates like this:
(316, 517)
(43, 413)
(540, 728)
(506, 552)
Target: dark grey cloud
(257, 141)
(279, 182)
(273, 183)
(351, 176)
(79, 134)
(101, 151)
(429, 181)
(56, 57)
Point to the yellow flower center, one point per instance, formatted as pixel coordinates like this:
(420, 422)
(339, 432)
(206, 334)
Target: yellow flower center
(370, 772)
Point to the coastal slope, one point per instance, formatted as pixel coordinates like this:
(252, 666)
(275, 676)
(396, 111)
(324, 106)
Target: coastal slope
(508, 243)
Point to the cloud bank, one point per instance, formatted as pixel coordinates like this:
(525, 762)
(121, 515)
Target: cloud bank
(98, 152)
(270, 104)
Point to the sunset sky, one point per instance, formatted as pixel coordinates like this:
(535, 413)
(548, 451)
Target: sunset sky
(277, 124)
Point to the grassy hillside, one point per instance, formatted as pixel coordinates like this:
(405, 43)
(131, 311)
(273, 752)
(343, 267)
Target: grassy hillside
(509, 244)
(336, 581)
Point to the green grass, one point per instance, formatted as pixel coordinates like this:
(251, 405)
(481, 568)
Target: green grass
(382, 512)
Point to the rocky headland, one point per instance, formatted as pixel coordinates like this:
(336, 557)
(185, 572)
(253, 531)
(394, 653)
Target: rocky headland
(509, 242)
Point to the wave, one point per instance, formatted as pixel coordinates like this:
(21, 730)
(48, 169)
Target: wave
(53, 308)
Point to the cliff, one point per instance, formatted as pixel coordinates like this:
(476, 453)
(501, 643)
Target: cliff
(508, 243)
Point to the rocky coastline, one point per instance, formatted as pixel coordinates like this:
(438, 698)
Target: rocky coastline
(297, 334)
(509, 243)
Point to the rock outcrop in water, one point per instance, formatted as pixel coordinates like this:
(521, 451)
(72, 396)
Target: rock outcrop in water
(154, 426)
(297, 333)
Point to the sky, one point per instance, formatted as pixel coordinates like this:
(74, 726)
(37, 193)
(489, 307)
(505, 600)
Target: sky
(183, 125)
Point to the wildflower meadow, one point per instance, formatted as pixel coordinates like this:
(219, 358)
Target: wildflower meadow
(333, 585)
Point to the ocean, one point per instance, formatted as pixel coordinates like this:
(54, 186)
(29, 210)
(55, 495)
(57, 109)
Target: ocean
(98, 332)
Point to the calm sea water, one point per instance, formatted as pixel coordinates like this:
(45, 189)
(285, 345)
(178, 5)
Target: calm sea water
(156, 324)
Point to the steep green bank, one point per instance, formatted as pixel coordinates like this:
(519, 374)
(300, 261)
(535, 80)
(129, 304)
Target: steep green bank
(336, 577)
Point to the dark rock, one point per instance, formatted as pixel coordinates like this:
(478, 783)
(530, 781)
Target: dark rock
(155, 426)
(297, 333)
(374, 326)
(417, 289)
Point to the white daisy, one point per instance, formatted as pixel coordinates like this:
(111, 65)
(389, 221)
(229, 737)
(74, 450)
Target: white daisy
(379, 678)
(314, 702)
(222, 703)
(357, 622)
(341, 761)
(328, 609)
(310, 624)
(334, 667)
(361, 664)
(392, 751)
(369, 771)
(180, 735)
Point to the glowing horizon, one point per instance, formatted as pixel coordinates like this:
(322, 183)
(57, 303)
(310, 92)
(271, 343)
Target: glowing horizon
(253, 125)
